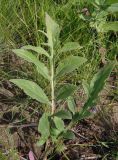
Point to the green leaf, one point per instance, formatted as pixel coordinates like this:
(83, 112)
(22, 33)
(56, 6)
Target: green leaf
(109, 2)
(69, 46)
(55, 132)
(44, 126)
(69, 64)
(78, 116)
(109, 26)
(52, 31)
(37, 49)
(113, 8)
(63, 114)
(65, 91)
(86, 88)
(98, 2)
(32, 90)
(71, 104)
(59, 123)
(97, 84)
(69, 135)
(28, 56)
(42, 141)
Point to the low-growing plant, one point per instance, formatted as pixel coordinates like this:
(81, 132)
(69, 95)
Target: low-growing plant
(56, 123)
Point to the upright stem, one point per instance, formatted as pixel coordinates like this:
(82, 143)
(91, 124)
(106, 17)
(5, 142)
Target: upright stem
(52, 81)
(52, 94)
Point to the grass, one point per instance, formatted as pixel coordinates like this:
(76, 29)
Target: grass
(20, 25)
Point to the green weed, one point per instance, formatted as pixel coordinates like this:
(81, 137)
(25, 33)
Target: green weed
(52, 124)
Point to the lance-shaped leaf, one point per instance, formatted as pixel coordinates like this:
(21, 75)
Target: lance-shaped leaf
(71, 104)
(44, 126)
(28, 56)
(65, 91)
(110, 26)
(42, 140)
(44, 129)
(86, 88)
(69, 135)
(63, 114)
(54, 132)
(113, 8)
(97, 84)
(32, 90)
(37, 49)
(69, 46)
(52, 31)
(69, 64)
(59, 123)
(79, 116)
(110, 2)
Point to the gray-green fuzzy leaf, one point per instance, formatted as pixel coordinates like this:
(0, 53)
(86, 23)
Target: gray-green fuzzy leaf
(86, 88)
(65, 91)
(32, 90)
(110, 26)
(71, 104)
(54, 132)
(28, 56)
(63, 114)
(113, 8)
(69, 64)
(59, 123)
(42, 141)
(69, 46)
(44, 127)
(69, 135)
(37, 49)
(52, 31)
(97, 84)
(78, 116)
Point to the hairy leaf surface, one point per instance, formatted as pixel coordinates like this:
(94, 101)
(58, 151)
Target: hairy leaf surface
(32, 89)
(71, 104)
(52, 31)
(28, 56)
(59, 123)
(69, 64)
(97, 84)
(37, 49)
(69, 46)
(63, 114)
(65, 91)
